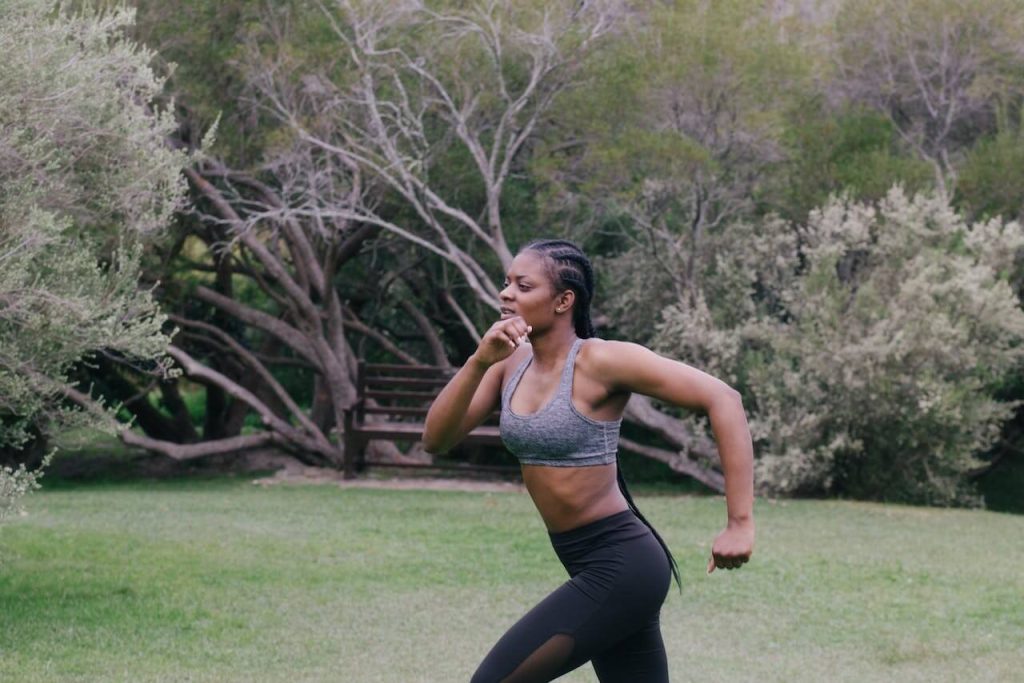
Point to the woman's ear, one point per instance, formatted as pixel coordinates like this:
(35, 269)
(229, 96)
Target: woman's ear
(565, 301)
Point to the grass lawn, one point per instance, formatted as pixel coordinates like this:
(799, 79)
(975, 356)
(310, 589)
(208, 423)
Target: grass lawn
(220, 580)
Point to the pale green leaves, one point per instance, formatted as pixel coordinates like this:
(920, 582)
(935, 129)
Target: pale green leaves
(868, 343)
(86, 173)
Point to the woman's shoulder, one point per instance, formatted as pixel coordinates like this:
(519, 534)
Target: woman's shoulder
(606, 349)
(627, 366)
(598, 356)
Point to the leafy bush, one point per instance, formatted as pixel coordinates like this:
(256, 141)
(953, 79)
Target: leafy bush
(15, 483)
(86, 177)
(868, 344)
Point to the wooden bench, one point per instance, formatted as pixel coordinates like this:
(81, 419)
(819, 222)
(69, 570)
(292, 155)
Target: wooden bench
(402, 395)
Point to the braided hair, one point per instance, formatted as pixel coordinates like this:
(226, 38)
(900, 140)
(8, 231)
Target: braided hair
(569, 268)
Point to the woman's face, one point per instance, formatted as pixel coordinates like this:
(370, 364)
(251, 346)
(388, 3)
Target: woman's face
(529, 293)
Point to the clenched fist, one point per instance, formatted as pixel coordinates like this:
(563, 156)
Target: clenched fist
(501, 340)
(733, 547)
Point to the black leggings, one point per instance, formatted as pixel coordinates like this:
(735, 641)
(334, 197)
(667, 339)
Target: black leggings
(606, 613)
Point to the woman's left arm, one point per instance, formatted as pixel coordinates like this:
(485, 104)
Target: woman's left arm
(635, 368)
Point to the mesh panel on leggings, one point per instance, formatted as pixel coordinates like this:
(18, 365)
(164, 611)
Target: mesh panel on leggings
(545, 663)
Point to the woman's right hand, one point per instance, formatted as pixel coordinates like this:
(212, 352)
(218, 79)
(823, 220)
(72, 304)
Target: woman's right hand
(501, 340)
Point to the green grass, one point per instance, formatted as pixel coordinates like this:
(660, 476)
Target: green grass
(220, 580)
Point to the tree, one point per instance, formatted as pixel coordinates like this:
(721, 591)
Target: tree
(417, 81)
(403, 147)
(86, 178)
(676, 134)
(939, 69)
(991, 178)
(361, 155)
(846, 148)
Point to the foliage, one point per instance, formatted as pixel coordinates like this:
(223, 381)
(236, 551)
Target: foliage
(992, 175)
(939, 69)
(868, 343)
(199, 44)
(86, 177)
(15, 483)
(849, 148)
(681, 127)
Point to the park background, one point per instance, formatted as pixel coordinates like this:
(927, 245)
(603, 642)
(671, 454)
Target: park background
(211, 211)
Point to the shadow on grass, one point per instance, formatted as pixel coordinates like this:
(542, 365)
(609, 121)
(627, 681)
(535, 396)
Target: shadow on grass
(1003, 486)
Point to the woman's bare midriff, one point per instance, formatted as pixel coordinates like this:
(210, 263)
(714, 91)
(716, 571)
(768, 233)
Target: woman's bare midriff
(569, 497)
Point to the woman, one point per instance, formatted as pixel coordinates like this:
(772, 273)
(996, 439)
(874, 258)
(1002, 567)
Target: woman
(562, 396)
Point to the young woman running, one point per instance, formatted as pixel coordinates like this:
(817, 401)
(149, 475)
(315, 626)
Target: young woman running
(562, 395)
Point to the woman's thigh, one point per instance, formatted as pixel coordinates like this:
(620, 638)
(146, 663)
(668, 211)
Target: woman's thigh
(564, 631)
(542, 645)
(607, 609)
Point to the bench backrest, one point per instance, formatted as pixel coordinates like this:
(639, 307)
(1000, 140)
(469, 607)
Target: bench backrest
(402, 392)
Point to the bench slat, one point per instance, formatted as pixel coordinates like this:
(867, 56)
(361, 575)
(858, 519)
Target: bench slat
(384, 430)
(409, 410)
(396, 410)
(374, 369)
(422, 395)
(434, 383)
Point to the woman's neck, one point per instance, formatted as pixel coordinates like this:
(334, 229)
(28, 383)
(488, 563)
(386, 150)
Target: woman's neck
(552, 348)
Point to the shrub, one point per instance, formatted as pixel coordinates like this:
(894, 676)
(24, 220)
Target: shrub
(15, 483)
(86, 177)
(868, 344)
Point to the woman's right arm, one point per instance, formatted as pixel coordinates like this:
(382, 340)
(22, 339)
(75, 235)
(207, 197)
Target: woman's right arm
(475, 390)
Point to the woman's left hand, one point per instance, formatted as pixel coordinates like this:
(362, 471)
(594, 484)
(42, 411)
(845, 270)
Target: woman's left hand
(733, 547)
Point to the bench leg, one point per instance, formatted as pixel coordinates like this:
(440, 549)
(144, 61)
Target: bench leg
(355, 456)
(361, 455)
(351, 442)
(350, 466)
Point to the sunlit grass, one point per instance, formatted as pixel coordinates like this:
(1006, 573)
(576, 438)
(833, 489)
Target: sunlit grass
(220, 580)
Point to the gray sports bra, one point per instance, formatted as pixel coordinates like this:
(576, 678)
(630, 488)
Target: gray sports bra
(557, 434)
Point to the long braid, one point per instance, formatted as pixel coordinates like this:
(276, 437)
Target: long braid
(636, 511)
(569, 268)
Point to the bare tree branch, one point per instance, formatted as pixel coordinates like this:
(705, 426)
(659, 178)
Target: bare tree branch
(260, 370)
(678, 462)
(198, 371)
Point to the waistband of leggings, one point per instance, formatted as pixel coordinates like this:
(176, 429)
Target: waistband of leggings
(594, 528)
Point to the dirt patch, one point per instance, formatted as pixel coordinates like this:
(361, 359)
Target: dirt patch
(316, 475)
(292, 471)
